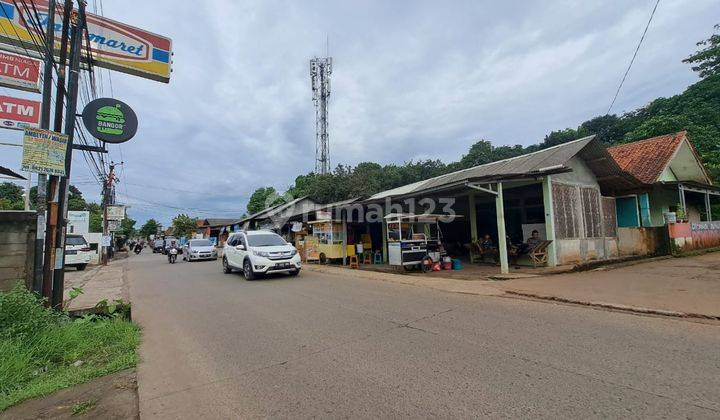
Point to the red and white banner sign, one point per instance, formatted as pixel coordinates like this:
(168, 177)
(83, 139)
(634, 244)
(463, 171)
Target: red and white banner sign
(19, 72)
(17, 114)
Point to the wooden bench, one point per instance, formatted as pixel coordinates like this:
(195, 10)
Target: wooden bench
(538, 253)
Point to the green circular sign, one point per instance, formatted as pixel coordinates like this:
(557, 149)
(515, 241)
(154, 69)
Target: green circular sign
(110, 120)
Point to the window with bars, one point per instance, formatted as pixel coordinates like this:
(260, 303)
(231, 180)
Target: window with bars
(591, 212)
(609, 217)
(565, 203)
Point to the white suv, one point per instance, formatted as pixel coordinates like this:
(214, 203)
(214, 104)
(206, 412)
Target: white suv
(259, 252)
(77, 252)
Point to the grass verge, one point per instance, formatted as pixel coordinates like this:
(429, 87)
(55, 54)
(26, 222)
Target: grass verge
(42, 350)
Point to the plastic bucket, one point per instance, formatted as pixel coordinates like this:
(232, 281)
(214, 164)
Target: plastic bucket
(456, 264)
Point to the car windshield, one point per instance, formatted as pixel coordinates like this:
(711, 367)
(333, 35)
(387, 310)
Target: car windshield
(200, 242)
(266, 239)
(75, 240)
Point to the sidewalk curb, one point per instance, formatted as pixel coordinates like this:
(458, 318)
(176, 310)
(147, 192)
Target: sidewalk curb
(615, 306)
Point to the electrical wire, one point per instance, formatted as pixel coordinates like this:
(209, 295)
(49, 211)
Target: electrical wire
(642, 38)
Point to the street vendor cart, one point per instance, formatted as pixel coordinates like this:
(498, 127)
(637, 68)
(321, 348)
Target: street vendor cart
(326, 242)
(414, 240)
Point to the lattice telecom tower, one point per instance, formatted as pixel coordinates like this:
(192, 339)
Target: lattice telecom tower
(320, 71)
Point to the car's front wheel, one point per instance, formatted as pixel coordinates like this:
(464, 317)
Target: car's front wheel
(295, 272)
(226, 267)
(81, 267)
(248, 271)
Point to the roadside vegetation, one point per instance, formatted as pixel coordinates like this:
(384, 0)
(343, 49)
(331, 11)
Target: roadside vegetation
(43, 350)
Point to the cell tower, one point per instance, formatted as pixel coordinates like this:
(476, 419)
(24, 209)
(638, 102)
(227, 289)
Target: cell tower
(320, 71)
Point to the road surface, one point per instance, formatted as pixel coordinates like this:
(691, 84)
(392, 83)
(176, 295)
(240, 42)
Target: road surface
(319, 345)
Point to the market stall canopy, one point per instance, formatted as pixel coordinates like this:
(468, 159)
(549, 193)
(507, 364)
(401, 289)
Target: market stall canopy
(553, 160)
(417, 218)
(6, 173)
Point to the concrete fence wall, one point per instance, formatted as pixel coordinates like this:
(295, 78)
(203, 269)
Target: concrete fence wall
(692, 236)
(17, 247)
(643, 241)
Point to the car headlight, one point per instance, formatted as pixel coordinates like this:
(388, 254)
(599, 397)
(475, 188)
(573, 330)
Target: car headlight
(293, 252)
(195, 251)
(261, 253)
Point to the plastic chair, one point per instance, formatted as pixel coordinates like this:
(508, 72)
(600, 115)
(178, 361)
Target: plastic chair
(353, 261)
(378, 257)
(367, 257)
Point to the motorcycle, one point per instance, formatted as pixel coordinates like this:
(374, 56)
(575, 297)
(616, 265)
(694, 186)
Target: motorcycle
(172, 255)
(138, 249)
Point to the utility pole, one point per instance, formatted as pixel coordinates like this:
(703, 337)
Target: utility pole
(107, 200)
(53, 190)
(45, 124)
(75, 53)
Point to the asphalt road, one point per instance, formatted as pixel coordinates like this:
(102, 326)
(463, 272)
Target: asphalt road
(217, 346)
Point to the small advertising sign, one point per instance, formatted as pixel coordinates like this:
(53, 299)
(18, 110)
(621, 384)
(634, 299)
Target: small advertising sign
(115, 212)
(113, 45)
(18, 114)
(114, 225)
(110, 120)
(20, 72)
(44, 152)
(106, 240)
(78, 222)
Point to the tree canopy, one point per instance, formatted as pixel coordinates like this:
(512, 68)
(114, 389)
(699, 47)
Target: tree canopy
(149, 228)
(184, 225)
(11, 196)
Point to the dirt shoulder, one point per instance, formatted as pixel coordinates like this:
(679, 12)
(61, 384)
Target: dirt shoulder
(109, 397)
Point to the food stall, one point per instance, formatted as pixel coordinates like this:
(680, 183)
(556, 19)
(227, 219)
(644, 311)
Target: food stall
(326, 242)
(414, 240)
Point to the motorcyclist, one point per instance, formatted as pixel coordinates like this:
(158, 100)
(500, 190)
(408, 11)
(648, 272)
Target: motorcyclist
(172, 253)
(138, 247)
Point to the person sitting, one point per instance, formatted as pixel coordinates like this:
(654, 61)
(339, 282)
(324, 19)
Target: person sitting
(486, 243)
(533, 241)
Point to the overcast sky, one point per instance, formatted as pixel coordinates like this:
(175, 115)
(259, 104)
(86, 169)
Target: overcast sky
(411, 80)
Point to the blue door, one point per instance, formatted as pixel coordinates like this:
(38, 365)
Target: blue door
(627, 211)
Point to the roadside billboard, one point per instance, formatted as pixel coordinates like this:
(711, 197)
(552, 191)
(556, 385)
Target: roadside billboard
(44, 152)
(18, 114)
(114, 45)
(115, 212)
(20, 72)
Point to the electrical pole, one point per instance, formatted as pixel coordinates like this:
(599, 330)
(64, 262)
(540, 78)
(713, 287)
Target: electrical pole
(75, 53)
(45, 124)
(52, 190)
(107, 200)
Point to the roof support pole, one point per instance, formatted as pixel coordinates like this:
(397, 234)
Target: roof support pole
(473, 217)
(343, 216)
(708, 209)
(384, 238)
(502, 238)
(549, 220)
(681, 191)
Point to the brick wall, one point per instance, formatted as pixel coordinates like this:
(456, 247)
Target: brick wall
(17, 247)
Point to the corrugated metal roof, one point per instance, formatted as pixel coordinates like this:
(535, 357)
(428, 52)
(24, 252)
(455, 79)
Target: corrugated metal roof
(534, 163)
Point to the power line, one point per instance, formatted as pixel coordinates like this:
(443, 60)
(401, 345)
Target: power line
(642, 38)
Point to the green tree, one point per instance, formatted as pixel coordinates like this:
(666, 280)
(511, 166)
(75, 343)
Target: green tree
(128, 227)
(149, 228)
(184, 225)
(706, 61)
(96, 217)
(11, 197)
(76, 202)
(263, 198)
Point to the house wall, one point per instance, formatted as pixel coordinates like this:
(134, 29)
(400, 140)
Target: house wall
(17, 248)
(580, 231)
